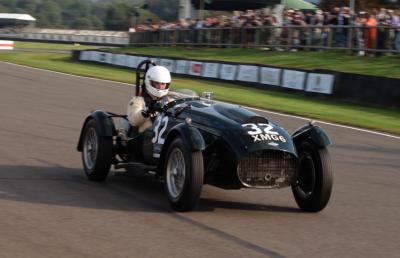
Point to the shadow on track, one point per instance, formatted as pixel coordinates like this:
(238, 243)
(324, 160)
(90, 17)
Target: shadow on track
(57, 185)
(212, 204)
(61, 186)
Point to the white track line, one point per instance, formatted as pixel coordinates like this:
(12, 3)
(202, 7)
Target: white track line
(257, 109)
(67, 74)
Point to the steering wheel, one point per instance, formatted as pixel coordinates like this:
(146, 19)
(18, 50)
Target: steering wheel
(177, 102)
(140, 78)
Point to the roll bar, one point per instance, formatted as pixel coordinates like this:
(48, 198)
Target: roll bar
(140, 78)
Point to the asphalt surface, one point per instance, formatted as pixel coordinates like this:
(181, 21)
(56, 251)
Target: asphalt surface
(49, 209)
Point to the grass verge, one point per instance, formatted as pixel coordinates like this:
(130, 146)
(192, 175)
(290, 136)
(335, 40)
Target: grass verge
(350, 114)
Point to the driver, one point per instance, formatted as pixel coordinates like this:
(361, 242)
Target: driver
(143, 109)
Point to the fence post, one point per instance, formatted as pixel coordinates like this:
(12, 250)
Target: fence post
(231, 37)
(289, 37)
(375, 42)
(256, 36)
(220, 37)
(200, 34)
(310, 37)
(273, 36)
(242, 36)
(350, 39)
(175, 36)
(330, 36)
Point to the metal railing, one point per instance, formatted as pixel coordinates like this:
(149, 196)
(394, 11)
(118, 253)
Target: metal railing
(59, 35)
(350, 38)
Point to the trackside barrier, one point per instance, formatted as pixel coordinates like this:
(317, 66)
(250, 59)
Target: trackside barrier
(327, 83)
(267, 76)
(6, 45)
(70, 36)
(92, 39)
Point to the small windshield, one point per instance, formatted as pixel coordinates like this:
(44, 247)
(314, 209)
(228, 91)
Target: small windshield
(178, 97)
(181, 94)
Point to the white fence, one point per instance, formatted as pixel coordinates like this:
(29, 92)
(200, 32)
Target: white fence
(70, 36)
(266, 76)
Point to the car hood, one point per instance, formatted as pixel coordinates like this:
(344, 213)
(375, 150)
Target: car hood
(245, 131)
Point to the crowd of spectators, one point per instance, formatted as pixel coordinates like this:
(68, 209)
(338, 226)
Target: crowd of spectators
(365, 35)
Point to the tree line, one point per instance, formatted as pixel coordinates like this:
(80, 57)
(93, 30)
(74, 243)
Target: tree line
(92, 14)
(361, 4)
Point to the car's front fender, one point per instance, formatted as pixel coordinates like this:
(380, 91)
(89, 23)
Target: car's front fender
(104, 122)
(190, 136)
(313, 133)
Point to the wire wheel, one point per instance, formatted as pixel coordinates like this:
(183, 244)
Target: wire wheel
(97, 152)
(183, 170)
(175, 173)
(90, 148)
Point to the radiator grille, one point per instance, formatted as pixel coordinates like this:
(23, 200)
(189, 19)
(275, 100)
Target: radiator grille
(267, 169)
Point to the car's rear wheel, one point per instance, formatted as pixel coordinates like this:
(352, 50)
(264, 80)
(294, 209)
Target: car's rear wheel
(96, 153)
(183, 176)
(313, 186)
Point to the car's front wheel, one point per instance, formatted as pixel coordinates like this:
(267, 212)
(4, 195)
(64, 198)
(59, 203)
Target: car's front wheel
(183, 170)
(313, 187)
(96, 153)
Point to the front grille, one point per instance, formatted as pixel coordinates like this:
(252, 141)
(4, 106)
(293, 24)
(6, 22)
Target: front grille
(267, 169)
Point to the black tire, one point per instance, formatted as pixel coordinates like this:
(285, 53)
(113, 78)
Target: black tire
(313, 187)
(97, 152)
(183, 195)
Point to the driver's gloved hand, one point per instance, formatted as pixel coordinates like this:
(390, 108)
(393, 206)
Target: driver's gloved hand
(152, 109)
(145, 113)
(155, 106)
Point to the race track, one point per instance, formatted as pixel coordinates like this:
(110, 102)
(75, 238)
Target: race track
(49, 209)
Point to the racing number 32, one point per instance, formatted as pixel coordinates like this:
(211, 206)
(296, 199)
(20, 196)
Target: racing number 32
(263, 132)
(255, 129)
(159, 132)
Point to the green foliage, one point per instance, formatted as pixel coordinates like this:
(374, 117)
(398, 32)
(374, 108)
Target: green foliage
(27, 5)
(48, 14)
(165, 9)
(80, 14)
(96, 22)
(117, 17)
(8, 3)
(3, 9)
(359, 4)
(82, 23)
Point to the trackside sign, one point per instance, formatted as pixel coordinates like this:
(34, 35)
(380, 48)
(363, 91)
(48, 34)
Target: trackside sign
(6, 45)
(268, 76)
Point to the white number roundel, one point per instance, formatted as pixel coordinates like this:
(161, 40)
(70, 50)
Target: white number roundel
(254, 129)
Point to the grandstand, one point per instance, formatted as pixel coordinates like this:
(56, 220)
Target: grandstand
(15, 26)
(11, 24)
(16, 20)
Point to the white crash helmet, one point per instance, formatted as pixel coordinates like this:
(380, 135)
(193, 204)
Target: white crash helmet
(157, 74)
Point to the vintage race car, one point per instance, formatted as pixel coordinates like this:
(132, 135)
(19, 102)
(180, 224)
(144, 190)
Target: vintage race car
(196, 141)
